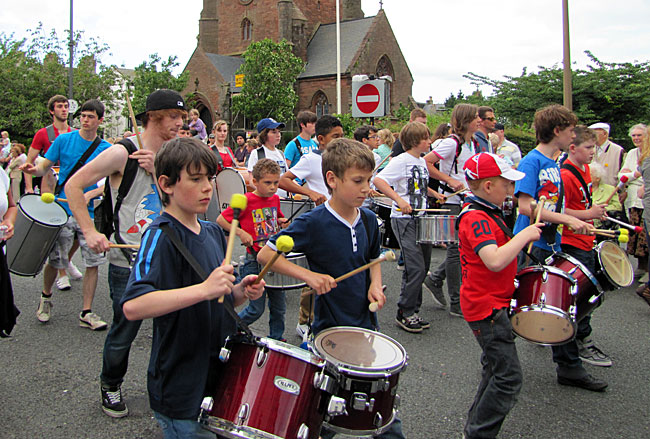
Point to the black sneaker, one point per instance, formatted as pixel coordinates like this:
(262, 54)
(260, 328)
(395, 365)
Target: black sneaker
(409, 324)
(112, 403)
(454, 310)
(588, 382)
(436, 292)
(423, 323)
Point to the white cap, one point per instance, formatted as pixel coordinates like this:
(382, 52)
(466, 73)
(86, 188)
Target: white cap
(601, 126)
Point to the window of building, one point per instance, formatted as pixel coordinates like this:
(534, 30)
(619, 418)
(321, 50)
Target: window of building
(246, 29)
(321, 103)
(385, 67)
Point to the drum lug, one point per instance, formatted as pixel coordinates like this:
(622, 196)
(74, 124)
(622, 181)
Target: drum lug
(224, 355)
(397, 402)
(207, 403)
(336, 407)
(379, 420)
(382, 385)
(513, 304)
(360, 402)
(594, 299)
(542, 299)
(516, 283)
(262, 356)
(573, 311)
(545, 276)
(243, 413)
(303, 432)
(324, 382)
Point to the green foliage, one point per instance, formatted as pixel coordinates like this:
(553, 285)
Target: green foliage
(36, 68)
(475, 98)
(616, 93)
(270, 70)
(523, 137)
(152, 75)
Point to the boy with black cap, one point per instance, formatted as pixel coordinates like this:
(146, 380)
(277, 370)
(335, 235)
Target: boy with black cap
(162, 119)
(488, 254)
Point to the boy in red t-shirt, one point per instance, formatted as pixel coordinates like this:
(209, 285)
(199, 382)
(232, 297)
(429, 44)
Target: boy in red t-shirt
(260, 220)
(488, 254)
(578, 203)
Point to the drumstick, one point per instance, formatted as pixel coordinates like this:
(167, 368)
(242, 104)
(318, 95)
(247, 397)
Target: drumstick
(426, 210)
(381, 163)
(538, 213)
(388, 256)
(111, 245)
(133, 120)
(452, 195)
(284, 244)
(636, 229)
(618, 189)
(238, 203)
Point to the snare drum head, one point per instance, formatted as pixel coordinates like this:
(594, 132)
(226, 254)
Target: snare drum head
(360, 349)
(51, 214)
(229, 182)
(615, 264)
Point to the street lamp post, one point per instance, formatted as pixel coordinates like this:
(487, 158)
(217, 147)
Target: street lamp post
(71, 47)
(568, 87)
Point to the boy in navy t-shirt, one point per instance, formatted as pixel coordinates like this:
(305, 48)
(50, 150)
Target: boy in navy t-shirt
(189, 325)
(489, 265)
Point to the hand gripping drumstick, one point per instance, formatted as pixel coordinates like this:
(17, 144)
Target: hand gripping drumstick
(238, 202)
(539, 206)
(451, 195)
(636, 229)
(388, 256)
(284, 244)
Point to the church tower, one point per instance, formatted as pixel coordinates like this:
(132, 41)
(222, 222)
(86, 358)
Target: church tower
(209, 27)
(351, 10)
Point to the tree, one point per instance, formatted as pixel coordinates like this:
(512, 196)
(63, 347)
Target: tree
(152, 75)
(617, 93)
(270, 70)
(35, 68)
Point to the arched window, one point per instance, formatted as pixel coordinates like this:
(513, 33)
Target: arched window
(321, 104)
(385, 67)
(246, 29)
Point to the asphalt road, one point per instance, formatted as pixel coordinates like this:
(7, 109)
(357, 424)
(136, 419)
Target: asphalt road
(49, 385)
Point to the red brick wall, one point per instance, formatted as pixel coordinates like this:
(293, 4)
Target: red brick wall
(307, 88)
(199, 66)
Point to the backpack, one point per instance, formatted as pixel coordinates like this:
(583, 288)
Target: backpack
(106, 216)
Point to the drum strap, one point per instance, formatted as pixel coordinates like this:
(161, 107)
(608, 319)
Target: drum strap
(572, 169)
(202, 274)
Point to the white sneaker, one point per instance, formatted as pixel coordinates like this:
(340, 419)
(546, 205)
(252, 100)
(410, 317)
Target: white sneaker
(74, 272)
(63, 283)
(92, 321)
(44, 310)
(302, 330)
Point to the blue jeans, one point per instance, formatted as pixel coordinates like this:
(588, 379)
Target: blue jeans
(566, 356)
(393, 432)
(122, 332)
(255, 308)
(501, 376)
(181, 428)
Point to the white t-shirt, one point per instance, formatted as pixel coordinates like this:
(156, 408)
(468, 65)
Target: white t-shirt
(409, 177)
(310, 169)
(275, 155)
(4, 188)
(446, 151)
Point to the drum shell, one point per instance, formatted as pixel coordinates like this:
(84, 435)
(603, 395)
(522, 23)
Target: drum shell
(543, 306)
(590, 294)
(290, 206)
(378, 384)
(228, 183)
(436, 229)
(382, 207)
(280, 281)
(609, 280)
(33, 238)
(242, 380)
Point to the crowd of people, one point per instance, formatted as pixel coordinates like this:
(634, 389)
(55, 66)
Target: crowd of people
(158, 184)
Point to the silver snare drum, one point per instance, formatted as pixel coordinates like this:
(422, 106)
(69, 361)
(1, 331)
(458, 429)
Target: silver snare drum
(436, 229)
(279, 281)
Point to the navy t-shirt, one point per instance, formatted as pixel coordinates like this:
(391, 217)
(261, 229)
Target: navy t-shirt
(187, 341)
(334, 247)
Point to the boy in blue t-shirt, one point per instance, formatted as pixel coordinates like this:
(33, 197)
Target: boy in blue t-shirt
(189, 325)
(303, 143)
(337, 237)
(554, 126)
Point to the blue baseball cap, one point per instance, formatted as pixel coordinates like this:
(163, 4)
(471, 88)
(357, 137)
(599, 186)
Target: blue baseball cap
(268, 123)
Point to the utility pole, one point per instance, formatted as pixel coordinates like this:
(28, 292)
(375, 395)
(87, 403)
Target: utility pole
(568, 86)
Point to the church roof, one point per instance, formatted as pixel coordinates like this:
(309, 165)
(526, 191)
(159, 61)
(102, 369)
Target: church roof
(321, 51)
(225, 65)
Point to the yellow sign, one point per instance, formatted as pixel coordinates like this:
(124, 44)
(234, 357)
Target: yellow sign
(239, 80)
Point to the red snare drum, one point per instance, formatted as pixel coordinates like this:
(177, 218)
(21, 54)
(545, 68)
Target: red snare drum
(365, 365)
(267, 389)
(590, 293)
(543, 305)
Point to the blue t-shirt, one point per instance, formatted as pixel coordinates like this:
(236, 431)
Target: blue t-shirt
(542, 178)
(185, 342)
(67, 149)
(291, 151)
(336, 249)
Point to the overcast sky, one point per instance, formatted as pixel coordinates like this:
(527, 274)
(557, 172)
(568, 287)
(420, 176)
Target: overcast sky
(441, 39)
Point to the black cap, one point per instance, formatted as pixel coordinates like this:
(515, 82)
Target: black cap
(240, 134)
(498, 126)
(163, 99)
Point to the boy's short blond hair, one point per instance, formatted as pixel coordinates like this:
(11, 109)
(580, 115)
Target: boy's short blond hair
(264, 167)
(412, 134)
(343, 154)
(583, 134)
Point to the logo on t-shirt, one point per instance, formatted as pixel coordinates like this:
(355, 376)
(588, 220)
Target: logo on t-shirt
(265, 223)
(148, 210)
(549, 181)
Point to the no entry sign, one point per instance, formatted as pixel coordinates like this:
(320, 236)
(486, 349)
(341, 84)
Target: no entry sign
(368, 98)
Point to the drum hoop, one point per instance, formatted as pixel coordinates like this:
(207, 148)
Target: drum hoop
(236, 176)
(291, 350)
(580, 265)
(220, 426)
(599, 250)
(36, 220)
(550, 269)
(354, 370)
(373, 433)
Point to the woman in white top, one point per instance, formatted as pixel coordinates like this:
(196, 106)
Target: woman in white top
(8, 210)
(637, 245)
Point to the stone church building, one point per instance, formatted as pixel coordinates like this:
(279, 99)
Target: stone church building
(227, 27)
